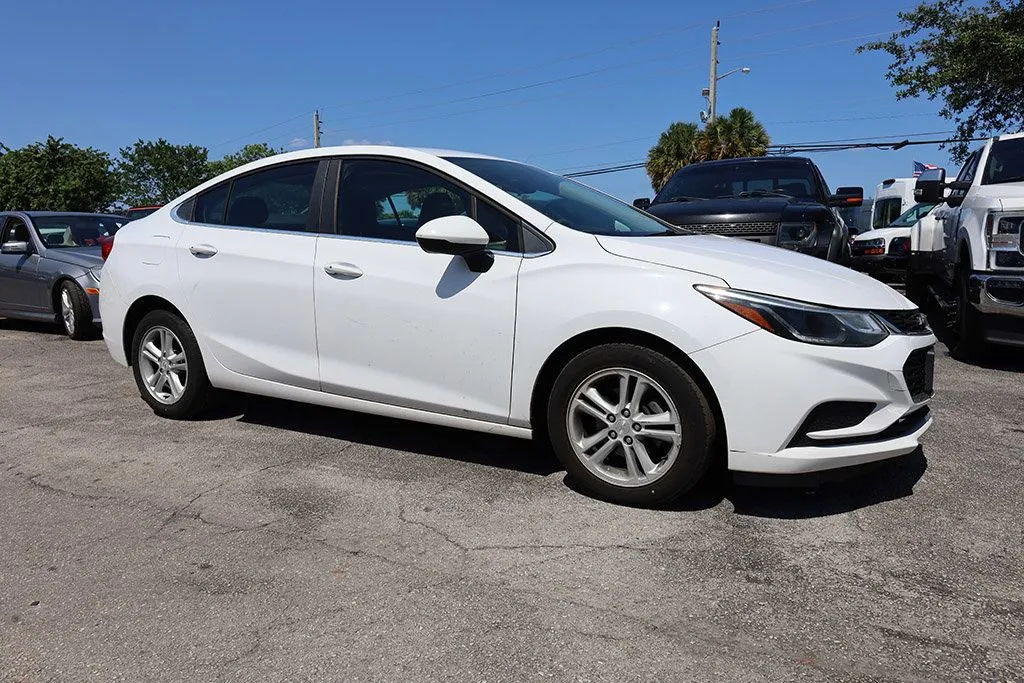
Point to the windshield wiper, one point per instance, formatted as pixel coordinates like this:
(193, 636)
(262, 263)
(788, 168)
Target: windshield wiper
(685, 198)
(760, 193)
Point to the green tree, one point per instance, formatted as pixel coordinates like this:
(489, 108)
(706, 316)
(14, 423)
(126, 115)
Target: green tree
(738, 134)
(56, 176)
(253, 152)
(966, 56)
(676, 147)
(157, 172)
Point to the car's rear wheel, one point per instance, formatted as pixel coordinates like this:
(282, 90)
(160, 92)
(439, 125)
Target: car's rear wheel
(630, 425)
(74, 312)
(168, 366)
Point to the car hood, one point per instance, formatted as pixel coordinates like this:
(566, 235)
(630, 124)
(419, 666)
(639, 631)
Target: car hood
(86, 257)
(883, 233)
(729, 210)
(760, 268)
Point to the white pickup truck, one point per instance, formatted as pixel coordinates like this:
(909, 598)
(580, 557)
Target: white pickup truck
(970, 259)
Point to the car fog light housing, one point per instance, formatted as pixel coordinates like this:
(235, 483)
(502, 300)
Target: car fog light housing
(796, 235)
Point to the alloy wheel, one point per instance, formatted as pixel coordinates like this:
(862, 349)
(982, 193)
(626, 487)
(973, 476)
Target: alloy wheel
(163, 365)
(67, 311)
(624, 427)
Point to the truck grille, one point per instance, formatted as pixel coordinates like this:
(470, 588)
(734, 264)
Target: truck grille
(749, 229)
(911, 321)
(919, 372)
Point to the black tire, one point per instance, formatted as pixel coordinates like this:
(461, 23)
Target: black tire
(968, 336)
(77, 319)
(197, 390)
(698, 425)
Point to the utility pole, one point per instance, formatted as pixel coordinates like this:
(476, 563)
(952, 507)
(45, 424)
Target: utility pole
(713, 81)
(316, 128)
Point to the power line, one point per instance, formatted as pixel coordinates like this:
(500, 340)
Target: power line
(646, 39)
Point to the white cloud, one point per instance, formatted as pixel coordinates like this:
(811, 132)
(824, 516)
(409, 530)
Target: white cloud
(352, 141)
(298, 143)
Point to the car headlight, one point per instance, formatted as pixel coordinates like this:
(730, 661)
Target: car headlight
(795, 235)
(799, 321)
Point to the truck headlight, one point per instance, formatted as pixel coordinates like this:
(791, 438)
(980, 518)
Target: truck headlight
(800, 321)
(796, 235)
(1003, 237)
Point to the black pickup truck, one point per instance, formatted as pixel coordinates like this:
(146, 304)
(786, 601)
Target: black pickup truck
(783, 201)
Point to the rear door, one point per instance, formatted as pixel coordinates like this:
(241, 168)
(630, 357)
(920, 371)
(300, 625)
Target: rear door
(21, 289)
(245, 260)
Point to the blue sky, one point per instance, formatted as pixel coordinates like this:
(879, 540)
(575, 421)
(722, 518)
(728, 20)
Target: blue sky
(564, 85)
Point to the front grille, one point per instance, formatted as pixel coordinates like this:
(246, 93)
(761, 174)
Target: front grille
(911, 321)
(748, 229)
(919, 371)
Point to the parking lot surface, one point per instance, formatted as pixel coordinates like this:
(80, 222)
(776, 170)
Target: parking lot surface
(273, 541)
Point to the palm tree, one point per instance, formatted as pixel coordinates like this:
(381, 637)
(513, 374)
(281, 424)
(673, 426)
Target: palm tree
(738, 134)
(676, 148)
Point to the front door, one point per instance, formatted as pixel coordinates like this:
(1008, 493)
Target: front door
(400, 326)
(21, 289)
(246, 262)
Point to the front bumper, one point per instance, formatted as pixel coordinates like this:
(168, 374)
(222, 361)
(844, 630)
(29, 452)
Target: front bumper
(997, 294)
(768, 388)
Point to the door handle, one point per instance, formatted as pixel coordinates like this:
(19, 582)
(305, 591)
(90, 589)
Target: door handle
(343, 271)
(202, 250)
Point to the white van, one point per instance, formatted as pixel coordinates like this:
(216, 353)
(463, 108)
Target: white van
(892, 198)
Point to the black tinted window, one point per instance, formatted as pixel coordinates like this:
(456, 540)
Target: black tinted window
(502, 229)
(276, 198)
(1005, 162)
(210, 205)
(14, 231)
(390, 200)
(886, 211)
(715, 180)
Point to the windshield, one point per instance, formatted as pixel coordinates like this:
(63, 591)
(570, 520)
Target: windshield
(59, 232)
(572, 204)
(1005, 162)
(740, 179)
(912, 215)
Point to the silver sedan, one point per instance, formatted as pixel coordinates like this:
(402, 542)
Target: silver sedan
(50, 267)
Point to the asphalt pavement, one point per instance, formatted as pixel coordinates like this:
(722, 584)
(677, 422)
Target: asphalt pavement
(277, 542)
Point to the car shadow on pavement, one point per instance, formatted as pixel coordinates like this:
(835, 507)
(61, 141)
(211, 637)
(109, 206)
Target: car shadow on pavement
(383, 432)
(15, 325)
(884, 481)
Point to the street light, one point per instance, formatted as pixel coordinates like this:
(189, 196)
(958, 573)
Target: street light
(711, 93)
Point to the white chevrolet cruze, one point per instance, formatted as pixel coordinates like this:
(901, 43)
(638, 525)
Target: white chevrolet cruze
(480, 293)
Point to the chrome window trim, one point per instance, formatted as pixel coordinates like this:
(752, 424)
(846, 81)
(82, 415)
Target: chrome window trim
(277, 231)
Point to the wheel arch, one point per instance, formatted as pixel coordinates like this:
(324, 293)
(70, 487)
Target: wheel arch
(575, 345)
(55, 291)
(139, 308)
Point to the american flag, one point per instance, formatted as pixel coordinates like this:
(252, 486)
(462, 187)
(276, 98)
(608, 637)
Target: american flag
(920, 168)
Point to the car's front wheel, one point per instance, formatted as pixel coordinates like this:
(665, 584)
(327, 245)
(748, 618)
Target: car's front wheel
(630, 425)
(75, 313)
(168, 366)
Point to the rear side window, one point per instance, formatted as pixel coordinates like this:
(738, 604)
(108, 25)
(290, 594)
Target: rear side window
(276, 198)
(210, 205)
(886, 211)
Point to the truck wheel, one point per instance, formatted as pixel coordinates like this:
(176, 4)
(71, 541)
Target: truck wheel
(969, 339)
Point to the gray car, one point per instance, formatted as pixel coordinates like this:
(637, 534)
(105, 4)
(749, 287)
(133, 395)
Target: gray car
(50, 266)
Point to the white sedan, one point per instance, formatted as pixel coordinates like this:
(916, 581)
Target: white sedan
(480, 293)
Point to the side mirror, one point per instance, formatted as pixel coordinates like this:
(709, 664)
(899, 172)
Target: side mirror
(847, 196)
(930, 186)
(457, 236)
(643, 203)
(14, 248)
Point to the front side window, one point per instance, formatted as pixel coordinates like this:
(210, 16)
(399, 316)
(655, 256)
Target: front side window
(969, 168)
(14, 231)
(61, 232)
(1005, 162)
(572, 204)
(391, 200)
